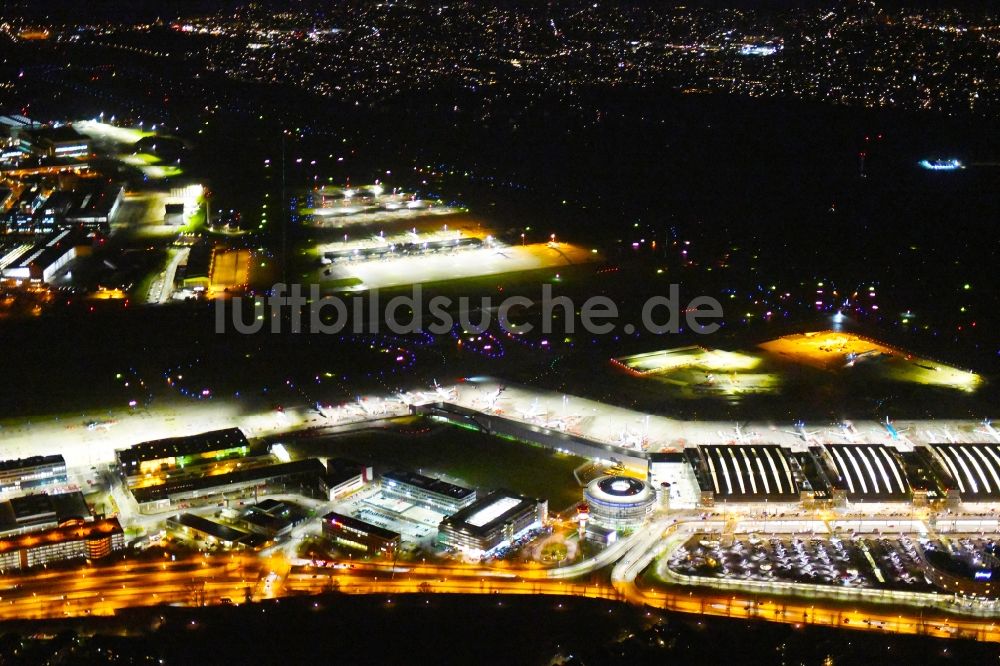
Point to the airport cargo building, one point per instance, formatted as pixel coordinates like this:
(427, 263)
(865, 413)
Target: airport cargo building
(177, 452)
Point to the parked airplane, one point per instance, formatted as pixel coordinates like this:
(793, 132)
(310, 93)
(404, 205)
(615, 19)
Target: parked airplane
(450, 393)
(894, 434)
(807, 436)
(988, 429)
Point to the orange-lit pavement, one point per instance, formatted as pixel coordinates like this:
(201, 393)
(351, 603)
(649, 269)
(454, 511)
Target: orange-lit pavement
(210, 580)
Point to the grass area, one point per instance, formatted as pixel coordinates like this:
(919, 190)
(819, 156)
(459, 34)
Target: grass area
(463, 456)
(140, 292)
(197, 220)
(340, 283)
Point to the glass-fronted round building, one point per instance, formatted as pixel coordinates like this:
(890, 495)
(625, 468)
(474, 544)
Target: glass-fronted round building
(620, 502)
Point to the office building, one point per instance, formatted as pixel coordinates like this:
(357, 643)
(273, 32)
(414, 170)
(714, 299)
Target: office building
(92, 540)
(33, 474)
(490, 522)
(30, 513)
(359, 535)
(434, 493)
(619, 502)
(344, 477)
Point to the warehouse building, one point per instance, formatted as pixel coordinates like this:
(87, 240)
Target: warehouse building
(42, 261)
(196, 274)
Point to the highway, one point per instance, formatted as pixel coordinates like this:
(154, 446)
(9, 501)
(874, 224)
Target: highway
(100, 590)
(207, 580)
(236, 578)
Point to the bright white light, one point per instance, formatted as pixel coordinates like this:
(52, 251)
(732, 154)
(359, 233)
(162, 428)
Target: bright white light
(490, 513)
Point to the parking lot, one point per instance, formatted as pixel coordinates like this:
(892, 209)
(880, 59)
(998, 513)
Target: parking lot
(858, 561)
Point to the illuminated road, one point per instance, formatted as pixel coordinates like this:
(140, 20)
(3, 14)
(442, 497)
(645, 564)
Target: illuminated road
(202, 580)
(101, 590)
(163, 288)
